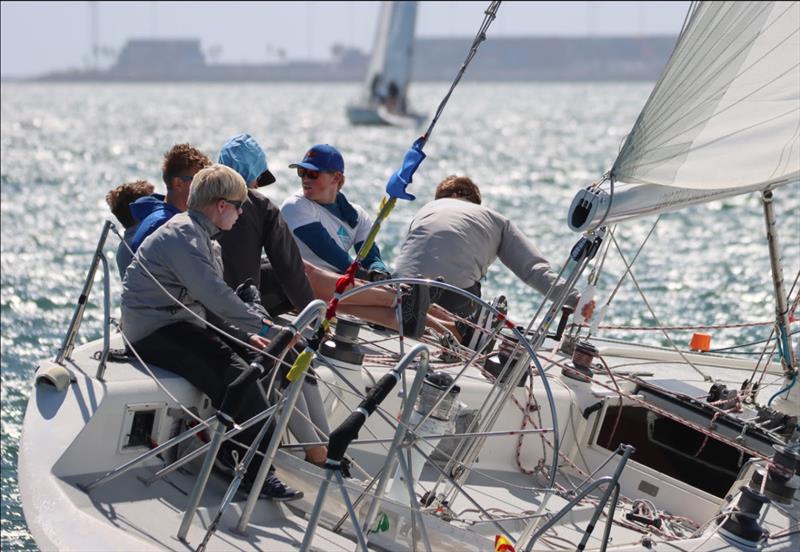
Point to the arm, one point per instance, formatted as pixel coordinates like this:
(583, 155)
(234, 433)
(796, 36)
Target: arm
(323, 245)
(373, 259)
(191, 262)
(284, 256)
(525, 260)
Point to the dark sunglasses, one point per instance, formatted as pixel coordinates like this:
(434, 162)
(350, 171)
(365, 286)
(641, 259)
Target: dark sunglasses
(308, 173)
(235, 203)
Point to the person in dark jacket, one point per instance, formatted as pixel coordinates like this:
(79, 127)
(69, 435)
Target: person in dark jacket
(281, 279)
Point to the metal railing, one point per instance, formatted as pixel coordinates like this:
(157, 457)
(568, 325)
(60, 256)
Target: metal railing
(68, 344)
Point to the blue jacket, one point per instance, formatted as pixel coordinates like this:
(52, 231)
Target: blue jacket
(151, 212)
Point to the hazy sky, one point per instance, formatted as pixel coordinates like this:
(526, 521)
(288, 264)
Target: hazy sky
(44, 36)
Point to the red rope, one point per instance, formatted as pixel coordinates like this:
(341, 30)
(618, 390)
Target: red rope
(342, 283)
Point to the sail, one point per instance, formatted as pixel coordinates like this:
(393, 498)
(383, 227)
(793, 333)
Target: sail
(389, 70)
(723, 119)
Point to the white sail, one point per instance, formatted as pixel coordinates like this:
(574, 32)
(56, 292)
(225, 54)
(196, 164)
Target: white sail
(390, 64)
(723, 119)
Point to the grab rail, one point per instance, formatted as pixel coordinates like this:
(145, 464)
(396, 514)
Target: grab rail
(68, 344)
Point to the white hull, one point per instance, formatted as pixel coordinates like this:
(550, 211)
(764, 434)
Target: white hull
(362, 114)
(74, 436)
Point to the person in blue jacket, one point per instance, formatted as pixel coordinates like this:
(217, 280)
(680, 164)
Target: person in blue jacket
(180, 165)
(325, 224)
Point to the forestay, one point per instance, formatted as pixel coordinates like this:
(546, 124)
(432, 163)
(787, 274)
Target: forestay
(723, 119)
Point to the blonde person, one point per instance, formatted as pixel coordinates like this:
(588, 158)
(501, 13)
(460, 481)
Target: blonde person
(183, 257)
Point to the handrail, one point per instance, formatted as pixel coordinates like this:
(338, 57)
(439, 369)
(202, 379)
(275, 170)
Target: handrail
(613, 486)
(346, 433)
(101, 368)
(277, 348)
(400, 432)
(72, 332)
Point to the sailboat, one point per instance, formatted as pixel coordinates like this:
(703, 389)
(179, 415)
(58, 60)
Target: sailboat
(384, 97)
(555, 439)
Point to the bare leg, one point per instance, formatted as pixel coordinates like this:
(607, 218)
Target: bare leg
(323, 283)
(376, 304)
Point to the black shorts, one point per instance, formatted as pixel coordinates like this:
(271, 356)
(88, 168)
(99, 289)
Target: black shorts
(458, 304)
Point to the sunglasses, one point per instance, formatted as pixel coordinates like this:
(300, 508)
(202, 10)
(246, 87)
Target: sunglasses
(235, 203)
(308, 173)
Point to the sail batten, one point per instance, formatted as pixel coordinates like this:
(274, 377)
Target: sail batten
(724, 118)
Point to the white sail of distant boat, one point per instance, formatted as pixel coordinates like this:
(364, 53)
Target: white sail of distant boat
(724, 118)
(384, 97)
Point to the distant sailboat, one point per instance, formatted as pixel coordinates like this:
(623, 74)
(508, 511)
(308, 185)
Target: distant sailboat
(384, 97)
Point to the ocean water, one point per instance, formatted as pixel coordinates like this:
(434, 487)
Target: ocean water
(529, 146)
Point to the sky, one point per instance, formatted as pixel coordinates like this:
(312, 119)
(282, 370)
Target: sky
(38, 37)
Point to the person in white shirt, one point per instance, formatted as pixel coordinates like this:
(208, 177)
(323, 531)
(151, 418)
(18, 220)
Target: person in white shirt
(325, 225)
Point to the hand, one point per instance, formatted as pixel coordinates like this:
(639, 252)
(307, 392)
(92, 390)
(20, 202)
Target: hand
(588, 310)
(248, 292)
(258, 341)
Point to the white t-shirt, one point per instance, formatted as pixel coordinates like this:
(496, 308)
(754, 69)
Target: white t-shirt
(299, 211)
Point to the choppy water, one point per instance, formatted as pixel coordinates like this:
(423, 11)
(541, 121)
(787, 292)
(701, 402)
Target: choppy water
(529, 146)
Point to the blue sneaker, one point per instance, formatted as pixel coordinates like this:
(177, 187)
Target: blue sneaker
(276, 490)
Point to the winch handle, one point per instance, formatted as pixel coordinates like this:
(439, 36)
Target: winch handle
(566, 312)
(341, 437)
(231, 401)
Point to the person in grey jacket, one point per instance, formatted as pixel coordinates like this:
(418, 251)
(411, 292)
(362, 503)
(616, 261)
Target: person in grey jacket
(183, 258)
(457, 238)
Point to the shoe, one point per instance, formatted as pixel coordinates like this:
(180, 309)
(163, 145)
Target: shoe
(449, 352)
(485, 322)
(344, 466)
(276, 490)
(415, 300)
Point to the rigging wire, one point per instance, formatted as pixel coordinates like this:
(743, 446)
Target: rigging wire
(490, 15)
(653, 314)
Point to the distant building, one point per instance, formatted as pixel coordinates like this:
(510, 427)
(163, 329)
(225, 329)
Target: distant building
(148, 58)
(435, 59)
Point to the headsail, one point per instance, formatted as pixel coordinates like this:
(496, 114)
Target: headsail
(389, 69)
(723, 119)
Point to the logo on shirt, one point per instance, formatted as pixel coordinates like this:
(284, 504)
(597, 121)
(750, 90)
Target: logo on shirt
(342, 233)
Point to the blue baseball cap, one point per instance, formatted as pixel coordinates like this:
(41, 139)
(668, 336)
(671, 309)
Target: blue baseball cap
(243, 154)
(322, 157)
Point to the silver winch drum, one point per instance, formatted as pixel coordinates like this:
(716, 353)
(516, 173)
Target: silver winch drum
(435, 384)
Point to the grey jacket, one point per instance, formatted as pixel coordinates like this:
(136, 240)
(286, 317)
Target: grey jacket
(458, 240)
(185, 260)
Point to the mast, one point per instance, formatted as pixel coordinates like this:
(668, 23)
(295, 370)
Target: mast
(788, 359)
